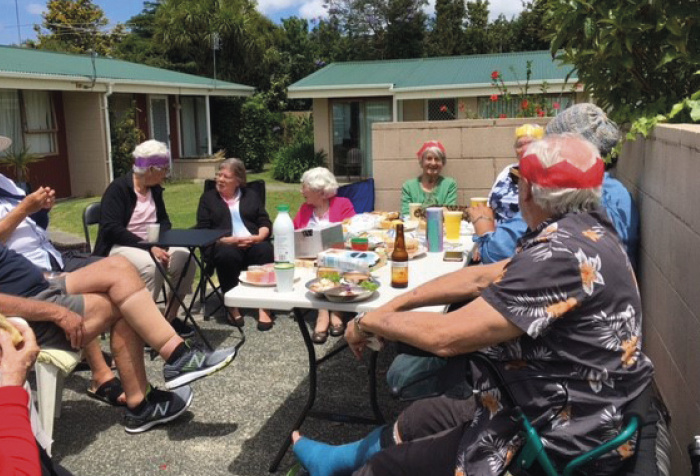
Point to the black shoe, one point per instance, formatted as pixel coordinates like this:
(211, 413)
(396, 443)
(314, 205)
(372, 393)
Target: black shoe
(161, 407)
(183, 329)
(265, 326)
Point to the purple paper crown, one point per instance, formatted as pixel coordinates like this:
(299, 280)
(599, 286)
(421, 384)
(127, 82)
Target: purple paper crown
(152, 161)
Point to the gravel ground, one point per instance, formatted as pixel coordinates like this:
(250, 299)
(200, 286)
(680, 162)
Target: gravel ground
(239, 416)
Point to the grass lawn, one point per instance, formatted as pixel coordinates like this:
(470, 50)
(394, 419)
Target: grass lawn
(181, 200)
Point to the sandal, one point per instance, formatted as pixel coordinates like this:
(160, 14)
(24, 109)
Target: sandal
(319, 338)
(238, 321)
(108, 392)
(84, 367)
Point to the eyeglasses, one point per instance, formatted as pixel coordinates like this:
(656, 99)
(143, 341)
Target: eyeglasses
(514, 174)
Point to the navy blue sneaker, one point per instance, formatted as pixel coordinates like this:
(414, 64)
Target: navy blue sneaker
(161, 407)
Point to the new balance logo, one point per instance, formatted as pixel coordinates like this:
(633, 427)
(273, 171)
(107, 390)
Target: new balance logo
(161, 409)
(196, 362)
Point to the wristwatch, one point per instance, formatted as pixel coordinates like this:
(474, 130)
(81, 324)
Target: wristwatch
(358, 326)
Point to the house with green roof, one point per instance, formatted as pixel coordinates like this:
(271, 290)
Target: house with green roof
(59, 106)
(349, 97)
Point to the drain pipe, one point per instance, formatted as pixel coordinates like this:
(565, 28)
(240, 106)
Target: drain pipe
(108, 130)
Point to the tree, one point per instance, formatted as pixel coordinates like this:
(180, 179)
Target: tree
(447, 35)
(381, 29)
(140, 46)
(529, 29)
(76, 26)
(637, 58)
(188, 28)
(476, 39)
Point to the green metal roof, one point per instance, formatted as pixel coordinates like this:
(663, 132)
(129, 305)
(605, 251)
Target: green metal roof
(62, 66)
(434, 73)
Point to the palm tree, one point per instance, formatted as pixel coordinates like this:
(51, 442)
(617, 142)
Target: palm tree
(19, 162)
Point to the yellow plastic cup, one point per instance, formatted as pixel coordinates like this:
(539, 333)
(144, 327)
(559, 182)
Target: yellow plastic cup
(453, 221)
(476, 201)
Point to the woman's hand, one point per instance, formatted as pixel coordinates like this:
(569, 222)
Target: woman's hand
(161, 255)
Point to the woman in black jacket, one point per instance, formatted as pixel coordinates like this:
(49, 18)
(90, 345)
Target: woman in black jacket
(130, 204)
(240, 211)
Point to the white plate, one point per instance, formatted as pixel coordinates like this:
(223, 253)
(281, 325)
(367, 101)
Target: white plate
(243, 277)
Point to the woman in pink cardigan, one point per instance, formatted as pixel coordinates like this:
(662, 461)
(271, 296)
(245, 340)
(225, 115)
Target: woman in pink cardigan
(321, 208)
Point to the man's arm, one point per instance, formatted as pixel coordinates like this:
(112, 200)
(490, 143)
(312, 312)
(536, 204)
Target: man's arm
(468, 329)
(43, 197)
(458, 286)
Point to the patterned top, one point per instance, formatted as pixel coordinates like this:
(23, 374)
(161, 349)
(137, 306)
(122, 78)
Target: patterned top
(503, 198)
(571, 289)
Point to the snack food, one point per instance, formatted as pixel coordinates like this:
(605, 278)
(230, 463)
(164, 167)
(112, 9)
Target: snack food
(412, 244)
(389, 224)
(15, 335)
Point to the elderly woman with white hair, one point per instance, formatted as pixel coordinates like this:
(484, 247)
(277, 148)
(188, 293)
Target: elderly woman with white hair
(130, 204)
(430, 188)
(234, 207)
(322, 206)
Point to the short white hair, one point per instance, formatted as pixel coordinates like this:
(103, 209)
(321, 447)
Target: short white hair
(146, 149)
(320, 179)
(436, 151)
(552, 150)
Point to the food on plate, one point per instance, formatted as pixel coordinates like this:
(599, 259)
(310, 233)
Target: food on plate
(330, 273)
(356, 277)
(15, 335)
(412, 244)
(389, 224)
(323, 284)
(369, 285)
(255, 274)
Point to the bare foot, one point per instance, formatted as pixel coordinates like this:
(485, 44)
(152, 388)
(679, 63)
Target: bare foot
(264, 316)
(296, 436)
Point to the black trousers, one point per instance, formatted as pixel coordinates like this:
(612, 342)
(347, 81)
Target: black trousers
(229, 261)
(431, 431)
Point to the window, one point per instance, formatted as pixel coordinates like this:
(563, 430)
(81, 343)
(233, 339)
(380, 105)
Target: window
(193, 124)
(28, 118)
(442, 109)
(490, 109)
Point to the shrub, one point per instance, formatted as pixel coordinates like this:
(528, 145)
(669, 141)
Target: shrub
(257, 134)
(126, 135)
(293, 160)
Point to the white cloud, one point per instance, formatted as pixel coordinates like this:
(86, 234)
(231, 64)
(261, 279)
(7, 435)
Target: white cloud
(35, 8)
(270, 6)
(509, 8)
(312, 9)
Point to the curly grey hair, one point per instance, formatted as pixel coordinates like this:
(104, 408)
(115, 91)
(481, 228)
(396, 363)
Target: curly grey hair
(322, 180)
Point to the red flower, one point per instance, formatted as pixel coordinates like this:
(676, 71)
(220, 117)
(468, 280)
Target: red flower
(502, 116)
(495, 75)
(556, 105)
(461, 106)
(525, 104)
(540, 113)
(443, 108)
(494, 97)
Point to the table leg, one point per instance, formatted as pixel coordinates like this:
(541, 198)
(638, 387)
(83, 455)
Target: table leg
(311, 397)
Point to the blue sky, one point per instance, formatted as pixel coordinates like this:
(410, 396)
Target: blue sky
(121, 10)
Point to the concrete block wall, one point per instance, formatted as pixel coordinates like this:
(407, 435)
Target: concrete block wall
(477, 150)
(663, 174)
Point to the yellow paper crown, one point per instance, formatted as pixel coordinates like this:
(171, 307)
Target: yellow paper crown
(529, 130)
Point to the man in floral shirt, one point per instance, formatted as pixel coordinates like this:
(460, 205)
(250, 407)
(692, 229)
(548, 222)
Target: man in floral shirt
(565, 312)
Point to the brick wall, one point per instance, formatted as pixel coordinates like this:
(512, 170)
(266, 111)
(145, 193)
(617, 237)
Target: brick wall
(663, 173)
(477, 150)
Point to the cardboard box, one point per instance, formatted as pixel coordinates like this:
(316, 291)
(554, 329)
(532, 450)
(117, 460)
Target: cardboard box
(309, 242)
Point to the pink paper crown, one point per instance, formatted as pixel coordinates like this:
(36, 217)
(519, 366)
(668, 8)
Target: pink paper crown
(561, 175)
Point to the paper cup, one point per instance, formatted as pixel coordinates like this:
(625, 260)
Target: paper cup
(284, 275)
(153, 231)
(412, 209)
(477, 201)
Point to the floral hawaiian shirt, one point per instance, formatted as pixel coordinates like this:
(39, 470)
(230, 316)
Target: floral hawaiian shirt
(572, 291)
(503, 198)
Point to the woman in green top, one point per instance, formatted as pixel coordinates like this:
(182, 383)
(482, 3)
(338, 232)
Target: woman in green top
(430, 188)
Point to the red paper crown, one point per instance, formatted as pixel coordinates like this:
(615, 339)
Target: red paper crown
(429, 144)
(561, 175)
